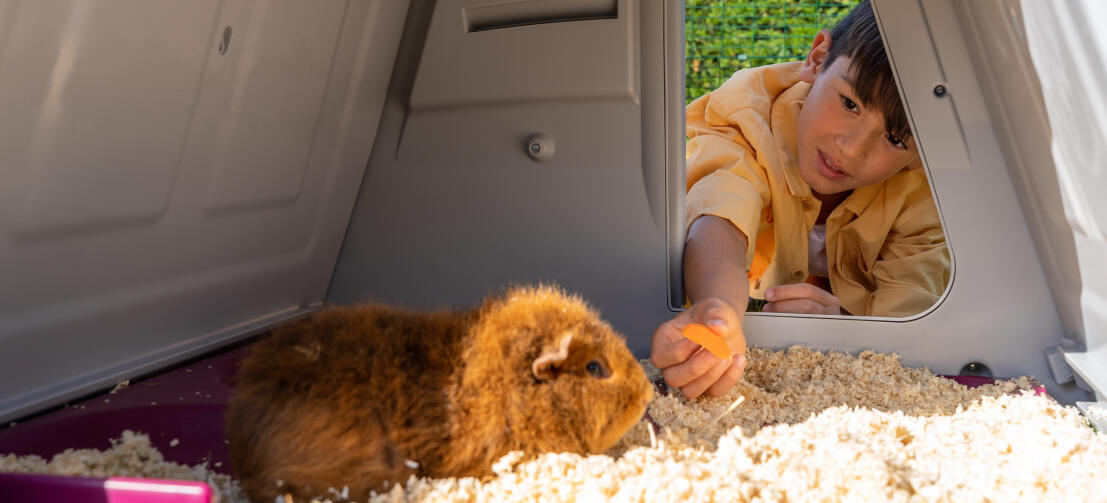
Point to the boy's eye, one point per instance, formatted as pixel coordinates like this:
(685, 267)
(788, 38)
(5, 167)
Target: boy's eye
(896, 141)
(848, 103)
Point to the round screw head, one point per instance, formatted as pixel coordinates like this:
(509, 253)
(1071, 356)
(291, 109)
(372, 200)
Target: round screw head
(940, 90)
(540, 147)
(976, 369)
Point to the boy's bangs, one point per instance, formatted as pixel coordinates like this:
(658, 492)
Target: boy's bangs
(876, 87)
(858, 36)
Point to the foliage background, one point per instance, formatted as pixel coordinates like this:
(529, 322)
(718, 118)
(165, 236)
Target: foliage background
(724, 36)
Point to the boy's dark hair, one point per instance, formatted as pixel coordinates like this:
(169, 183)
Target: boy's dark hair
(858, 37)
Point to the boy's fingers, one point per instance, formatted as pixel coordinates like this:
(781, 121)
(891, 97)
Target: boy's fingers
(715, 314)
(693, 368)
(798, 291)
(697, 386)
(798, 306)
(669, 346)
(722, 319)
(730, 377)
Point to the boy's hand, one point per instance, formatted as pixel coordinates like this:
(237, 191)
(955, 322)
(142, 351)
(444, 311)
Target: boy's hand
(803, 298)
(683, 363)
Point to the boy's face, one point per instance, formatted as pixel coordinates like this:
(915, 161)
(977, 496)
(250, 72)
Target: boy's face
(843, 144)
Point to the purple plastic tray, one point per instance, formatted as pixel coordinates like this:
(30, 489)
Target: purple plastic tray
(181, 410)
(51, 488)
(974, 381)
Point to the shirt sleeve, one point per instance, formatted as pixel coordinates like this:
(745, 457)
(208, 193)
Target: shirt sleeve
(914, 265)
(723, 176)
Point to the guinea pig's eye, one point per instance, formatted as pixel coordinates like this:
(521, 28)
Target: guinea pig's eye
(595, 368)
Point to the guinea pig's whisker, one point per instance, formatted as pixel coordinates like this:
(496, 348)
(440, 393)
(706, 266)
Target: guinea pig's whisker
(310, 352)
(728, 409)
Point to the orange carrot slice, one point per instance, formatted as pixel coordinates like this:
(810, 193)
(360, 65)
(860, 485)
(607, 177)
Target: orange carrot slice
(710, 341)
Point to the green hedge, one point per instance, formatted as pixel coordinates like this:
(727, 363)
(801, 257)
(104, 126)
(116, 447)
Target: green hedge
(724, 36)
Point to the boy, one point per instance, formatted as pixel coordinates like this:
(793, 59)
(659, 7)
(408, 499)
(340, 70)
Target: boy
(805, 188)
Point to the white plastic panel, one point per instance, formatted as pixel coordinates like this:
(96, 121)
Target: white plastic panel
(996, 38)
(1052, 166)
(188, 190)
(1068, 45)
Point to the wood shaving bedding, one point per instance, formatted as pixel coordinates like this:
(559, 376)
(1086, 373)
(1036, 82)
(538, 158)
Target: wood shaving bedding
(789, 386)
(1008, 448)
(808, 426)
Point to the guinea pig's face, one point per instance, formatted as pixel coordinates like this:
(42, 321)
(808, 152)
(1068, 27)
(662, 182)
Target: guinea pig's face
(598, 386)
(578, 376)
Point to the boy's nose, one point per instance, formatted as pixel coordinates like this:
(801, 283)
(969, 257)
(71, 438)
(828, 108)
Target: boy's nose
(854, 142)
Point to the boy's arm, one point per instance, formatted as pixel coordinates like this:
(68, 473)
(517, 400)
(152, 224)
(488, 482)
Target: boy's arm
(724, 179)
(714, 265)
(716, 281)
(726, 191)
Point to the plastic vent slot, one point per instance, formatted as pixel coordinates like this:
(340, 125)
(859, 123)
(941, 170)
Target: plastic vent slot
(530, 12)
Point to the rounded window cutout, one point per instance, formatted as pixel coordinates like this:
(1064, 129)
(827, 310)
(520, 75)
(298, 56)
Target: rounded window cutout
(803, 185)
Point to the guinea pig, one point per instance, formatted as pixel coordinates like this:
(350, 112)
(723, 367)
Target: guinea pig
(364, 396)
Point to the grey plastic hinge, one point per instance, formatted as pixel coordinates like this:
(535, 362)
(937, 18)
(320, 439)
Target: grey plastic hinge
(1062, 372)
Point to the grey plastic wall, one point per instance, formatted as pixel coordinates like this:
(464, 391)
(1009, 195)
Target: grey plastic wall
(176, 175)
(452, 207)
(166, 193)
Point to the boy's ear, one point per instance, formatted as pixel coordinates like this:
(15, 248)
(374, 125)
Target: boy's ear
(816, 57)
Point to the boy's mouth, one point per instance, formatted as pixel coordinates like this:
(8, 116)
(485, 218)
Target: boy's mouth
(829, 168)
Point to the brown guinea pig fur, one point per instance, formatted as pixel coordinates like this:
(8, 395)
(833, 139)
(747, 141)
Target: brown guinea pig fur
(361, 397)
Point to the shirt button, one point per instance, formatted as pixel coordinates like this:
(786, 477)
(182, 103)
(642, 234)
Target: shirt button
(806, 205)
(797, 274)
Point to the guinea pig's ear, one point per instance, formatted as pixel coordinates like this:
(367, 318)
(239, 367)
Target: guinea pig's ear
(547, 365)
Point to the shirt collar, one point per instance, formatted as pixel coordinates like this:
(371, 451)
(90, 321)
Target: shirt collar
(860, 198)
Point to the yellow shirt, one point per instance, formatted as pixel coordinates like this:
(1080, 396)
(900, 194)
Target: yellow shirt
(886, 252)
